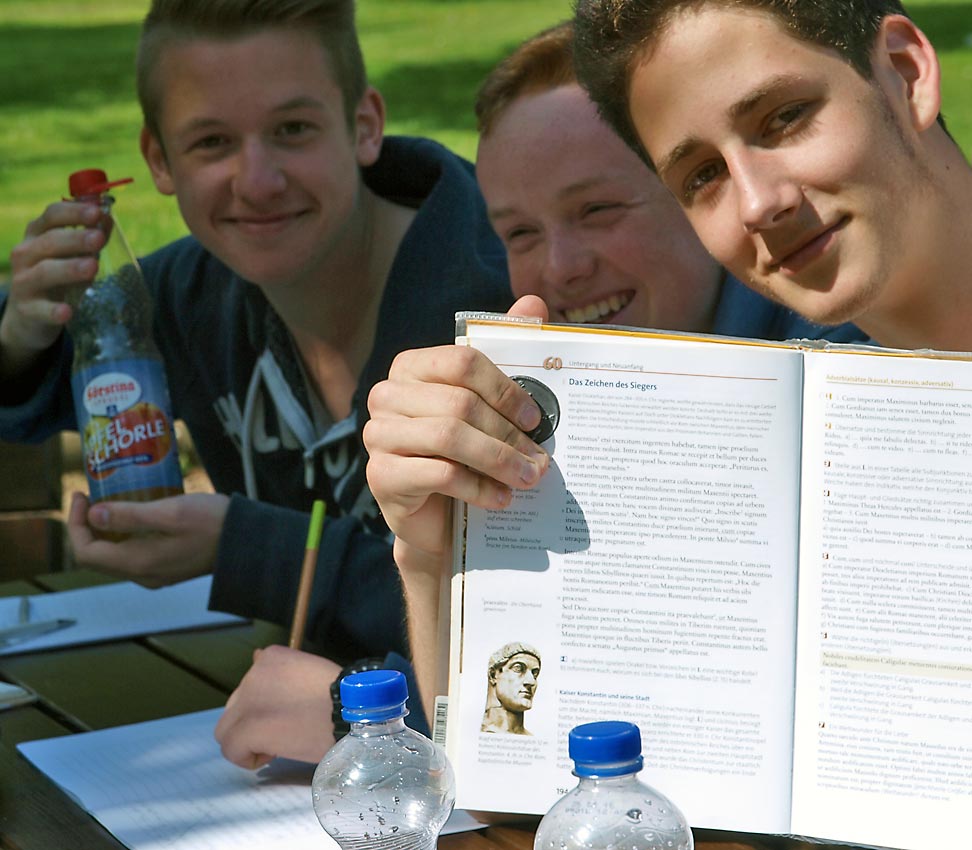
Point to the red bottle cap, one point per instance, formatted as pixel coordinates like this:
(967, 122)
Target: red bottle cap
(92, 181)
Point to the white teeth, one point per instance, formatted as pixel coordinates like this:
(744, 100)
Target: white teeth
(593, 312)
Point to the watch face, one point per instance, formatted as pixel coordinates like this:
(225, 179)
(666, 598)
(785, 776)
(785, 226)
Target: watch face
(548, 404)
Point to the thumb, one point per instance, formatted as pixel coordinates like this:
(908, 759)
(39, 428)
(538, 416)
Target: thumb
(530, 306)
(122, 517)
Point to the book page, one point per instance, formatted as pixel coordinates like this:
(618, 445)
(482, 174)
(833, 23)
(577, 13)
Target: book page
(652, 571)
(884, 712)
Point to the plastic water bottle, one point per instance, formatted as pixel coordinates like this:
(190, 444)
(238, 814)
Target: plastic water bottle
(610, 808)
(121, 396)
(383, 785)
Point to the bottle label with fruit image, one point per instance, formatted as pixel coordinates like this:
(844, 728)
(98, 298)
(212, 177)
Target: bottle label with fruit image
(127, 435)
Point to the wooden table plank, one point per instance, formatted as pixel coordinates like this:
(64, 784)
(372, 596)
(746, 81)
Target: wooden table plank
(507, 837)
(110, 685)
(29, 723)
(73, 579)
(36, 815)
(219, 656)
(20, 587)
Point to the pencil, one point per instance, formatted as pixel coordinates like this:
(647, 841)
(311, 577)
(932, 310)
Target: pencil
(307, 575)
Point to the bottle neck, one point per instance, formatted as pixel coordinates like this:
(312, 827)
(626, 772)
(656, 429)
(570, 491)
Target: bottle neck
(594, 783)
(383, 727)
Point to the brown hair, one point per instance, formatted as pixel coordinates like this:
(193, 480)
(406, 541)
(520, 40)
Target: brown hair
(612, 35)
(540, 63)
(171, 21)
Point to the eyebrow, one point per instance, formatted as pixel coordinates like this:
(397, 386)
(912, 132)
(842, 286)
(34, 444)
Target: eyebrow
(300, 102)
(740, 109)
(566, 192)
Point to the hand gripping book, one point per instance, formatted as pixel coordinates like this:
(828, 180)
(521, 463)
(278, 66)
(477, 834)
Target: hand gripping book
(761, 553)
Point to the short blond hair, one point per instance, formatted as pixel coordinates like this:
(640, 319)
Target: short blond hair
(173, 21)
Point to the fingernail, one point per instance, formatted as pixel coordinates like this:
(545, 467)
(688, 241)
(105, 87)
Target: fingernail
(92, 239)
(529, 416)
(529, 472)
(504, 495)
(98, 516)
(540, 457)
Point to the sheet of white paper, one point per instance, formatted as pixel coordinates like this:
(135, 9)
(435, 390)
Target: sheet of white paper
(163, 785)
(117, 610)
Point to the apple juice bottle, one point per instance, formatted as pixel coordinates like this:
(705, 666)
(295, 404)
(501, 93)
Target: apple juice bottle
(121, 398)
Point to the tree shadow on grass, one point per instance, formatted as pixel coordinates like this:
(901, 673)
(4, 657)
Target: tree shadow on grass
(436, 96)
(47, 66)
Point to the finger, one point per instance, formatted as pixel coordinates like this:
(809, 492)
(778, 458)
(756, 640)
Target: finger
(235, 747)
(449, 413)
(78, 529)
(130, 517)
(60, 256)
(130, 559)
(458, 366)
(452, 445)
(64, 214)
(258, 760)
(403, 484)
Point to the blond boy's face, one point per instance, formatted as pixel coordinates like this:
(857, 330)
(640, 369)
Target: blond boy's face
(257, 150)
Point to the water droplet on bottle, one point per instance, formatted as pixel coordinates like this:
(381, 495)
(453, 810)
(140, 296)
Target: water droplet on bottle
(633, 815)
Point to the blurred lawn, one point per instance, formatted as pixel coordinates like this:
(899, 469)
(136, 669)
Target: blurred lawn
(67, 92)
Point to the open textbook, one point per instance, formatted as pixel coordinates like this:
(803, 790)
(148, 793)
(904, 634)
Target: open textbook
(761, 553)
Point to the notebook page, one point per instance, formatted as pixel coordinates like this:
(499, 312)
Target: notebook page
(111, 611)
(164, 785)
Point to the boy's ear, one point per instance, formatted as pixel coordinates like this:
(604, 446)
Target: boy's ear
(154, 155)
(906, 65)
(369, 126)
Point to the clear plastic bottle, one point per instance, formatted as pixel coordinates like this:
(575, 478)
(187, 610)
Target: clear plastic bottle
(610, 809)
(121, 398)
(383, 785)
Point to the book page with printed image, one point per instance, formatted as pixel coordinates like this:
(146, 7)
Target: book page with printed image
(650, 577)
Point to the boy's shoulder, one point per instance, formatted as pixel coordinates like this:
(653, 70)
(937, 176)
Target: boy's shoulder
(411, 168)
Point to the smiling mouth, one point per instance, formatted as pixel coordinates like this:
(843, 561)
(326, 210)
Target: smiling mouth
(268, 221)
(598, 310)
(798, 258)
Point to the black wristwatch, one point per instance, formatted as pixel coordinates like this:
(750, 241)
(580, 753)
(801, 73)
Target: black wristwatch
(341, 726)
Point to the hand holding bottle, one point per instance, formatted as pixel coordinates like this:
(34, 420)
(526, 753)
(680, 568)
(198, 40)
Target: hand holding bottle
(154, 543)
(58, 254)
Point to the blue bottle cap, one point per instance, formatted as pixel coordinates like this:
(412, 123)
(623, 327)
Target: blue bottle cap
(605, 748)
(373, 696)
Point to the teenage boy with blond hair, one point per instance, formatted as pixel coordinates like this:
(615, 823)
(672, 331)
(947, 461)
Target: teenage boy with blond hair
(318, 250)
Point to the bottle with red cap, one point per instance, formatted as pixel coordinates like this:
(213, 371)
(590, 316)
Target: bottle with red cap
(121, 398)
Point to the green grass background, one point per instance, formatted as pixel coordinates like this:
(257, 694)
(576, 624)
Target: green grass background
(67, 92)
